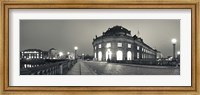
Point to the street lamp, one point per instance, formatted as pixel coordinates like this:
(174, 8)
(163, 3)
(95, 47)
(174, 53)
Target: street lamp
(83, 55)
(174, 46)
(68, 55)
(75, 48)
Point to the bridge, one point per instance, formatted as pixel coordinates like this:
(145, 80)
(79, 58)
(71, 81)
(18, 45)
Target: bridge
(84, 67)
(45, 67)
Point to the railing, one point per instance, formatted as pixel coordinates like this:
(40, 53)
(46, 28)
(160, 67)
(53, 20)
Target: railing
(162, 62)
(45, 67)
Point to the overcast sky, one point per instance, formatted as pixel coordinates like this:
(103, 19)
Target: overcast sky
(63, 35)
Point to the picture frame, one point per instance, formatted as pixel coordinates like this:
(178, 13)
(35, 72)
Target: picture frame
(109, 90)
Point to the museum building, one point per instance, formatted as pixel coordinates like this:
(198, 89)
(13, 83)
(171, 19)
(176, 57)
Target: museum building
(38, 54)
(118, 44)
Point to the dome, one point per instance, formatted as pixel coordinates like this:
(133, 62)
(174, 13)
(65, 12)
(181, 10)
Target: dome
(117, 30)
(52, 49)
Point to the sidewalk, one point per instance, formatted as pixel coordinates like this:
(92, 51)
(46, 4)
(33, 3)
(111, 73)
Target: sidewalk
(80, 69)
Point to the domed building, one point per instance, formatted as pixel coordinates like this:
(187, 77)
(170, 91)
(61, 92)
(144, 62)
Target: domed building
(118, 44)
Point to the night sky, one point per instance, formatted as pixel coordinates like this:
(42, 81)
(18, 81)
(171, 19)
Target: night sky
(63, 35)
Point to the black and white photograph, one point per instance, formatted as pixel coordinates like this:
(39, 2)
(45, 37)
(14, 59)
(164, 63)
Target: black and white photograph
(100, 47)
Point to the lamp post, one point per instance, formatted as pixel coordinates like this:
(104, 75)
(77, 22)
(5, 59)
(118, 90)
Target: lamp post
(174, 46)
(75, 54)
(76, 48)
(83, 55)
(68, 55)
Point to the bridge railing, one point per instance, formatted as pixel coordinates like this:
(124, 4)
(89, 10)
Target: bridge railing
(45, 67)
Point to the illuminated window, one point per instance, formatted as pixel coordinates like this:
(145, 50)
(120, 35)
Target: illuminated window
(119, 55)
(95, 48)
(129, 45)
(108, 45)
(95, 56)
(99, 56)
(129, 55)
(24, 65)
(138, 55)
(138, 48)
(119, 44)
(99, 45)
(108, 54)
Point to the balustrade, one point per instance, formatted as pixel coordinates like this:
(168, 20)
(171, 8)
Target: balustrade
(38, 67)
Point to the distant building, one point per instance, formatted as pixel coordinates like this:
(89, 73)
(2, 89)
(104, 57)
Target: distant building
(159, 54)
(118, 44)
(53, 53)
(32, 54)
(40, 54)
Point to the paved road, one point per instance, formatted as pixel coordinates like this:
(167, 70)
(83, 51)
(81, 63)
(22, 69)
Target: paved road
(103, 68)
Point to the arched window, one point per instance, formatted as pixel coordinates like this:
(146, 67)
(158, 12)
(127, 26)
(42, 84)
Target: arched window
(99, 56)
(129, 55)
(119, 55)
(108, 54)
(95, 56)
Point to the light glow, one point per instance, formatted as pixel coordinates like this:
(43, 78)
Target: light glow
(99, 56)
(174, 40)
(178, 52)
(129, 55)
(60, 53)
(75, 48)
(119, 55)
(108, 54)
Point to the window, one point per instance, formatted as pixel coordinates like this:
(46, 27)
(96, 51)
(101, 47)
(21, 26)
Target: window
(119, 55)
(108, 54)
(108, 45)
(138, 55)
(119, 44)
(99, 56)
(95, 48)
(129, 45)
(129, 55)
(138, 48)
(99, 45)
(95, 56)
